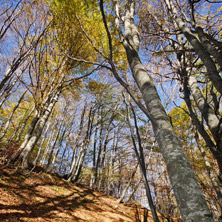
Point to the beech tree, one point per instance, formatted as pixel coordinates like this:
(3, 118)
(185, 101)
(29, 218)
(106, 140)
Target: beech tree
(179, 168)
(73, 61)
(138, 148)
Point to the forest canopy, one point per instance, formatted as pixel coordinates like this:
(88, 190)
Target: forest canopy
(123, 96)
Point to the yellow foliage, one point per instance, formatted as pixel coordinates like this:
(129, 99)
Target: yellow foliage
(96, 86)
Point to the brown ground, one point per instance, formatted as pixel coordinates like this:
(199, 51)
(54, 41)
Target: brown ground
(44, 197)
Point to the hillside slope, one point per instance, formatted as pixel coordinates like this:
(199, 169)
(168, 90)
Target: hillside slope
(44, 197)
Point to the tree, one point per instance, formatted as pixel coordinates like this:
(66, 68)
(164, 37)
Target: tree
(200, 157)
(191, 201)
(201, 45)
(138, 148)
(71, 59)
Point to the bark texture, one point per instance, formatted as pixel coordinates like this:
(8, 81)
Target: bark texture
(201, 47)
(187, 191)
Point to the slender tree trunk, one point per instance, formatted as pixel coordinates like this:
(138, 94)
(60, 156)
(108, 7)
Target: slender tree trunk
(11, 115)
(77, 164)
(75, 149)
(93, 180)
(204, 55)
(42, 162)
(12, 138)
(36, 133)
(55, 157)
(42, 142)
(134, 189)
(128, 184)
(210, 117)
(187, 191)
(213, 148)
(75, 173)
(8, 90)
(141, 160)
(48, 166)
(65, 149)
(208, 46)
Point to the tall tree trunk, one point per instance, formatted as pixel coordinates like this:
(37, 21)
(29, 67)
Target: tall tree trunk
(26, 149)
(77, 144)
(187, 191)
(208, 113)
(141, 160)
(199, 48)
(93, 178)
(46, 150)
(208, 46)
(213, 147)
(41, 145)
(77, 163)
(51, 156)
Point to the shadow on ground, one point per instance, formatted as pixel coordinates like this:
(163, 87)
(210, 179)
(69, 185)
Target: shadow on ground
(44, 197)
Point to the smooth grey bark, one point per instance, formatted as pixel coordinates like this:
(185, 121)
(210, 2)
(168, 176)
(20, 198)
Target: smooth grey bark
(212, 120)
(188, 194)
(41, 145)
(31, 129)
(208, 46)
(204, 55)
(197, 123)
(77, 162)
(76, 170)
(43, 158)
(49, 164)
(183, 67)
(189, 86)
(77, 142)
(26, 149)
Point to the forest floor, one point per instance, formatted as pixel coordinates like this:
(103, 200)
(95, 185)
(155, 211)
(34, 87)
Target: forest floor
(31, 196)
